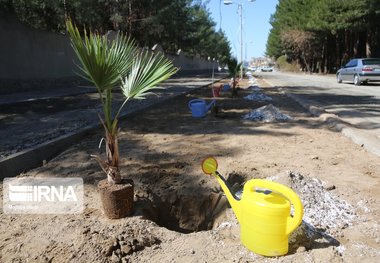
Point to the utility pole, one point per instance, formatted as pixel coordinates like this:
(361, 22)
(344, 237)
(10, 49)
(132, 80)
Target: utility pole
(240, 8)
(241, 38)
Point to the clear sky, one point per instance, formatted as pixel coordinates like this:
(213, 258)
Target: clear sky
(256, 25)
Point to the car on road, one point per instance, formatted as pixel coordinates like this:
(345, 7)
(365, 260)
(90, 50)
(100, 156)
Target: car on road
(266, 69)
(360, 70)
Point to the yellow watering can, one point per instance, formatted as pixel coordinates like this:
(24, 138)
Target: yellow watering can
(263, 212)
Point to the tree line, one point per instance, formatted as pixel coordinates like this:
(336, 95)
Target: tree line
(184, 25)
(321, 36)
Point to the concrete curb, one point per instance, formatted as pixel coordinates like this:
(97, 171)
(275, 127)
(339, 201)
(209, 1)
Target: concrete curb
(368, 141)
(36, 156)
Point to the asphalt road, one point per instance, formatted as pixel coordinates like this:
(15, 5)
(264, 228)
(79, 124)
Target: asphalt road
(358, 107)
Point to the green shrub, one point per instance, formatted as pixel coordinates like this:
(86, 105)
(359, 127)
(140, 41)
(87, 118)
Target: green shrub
(284, 65)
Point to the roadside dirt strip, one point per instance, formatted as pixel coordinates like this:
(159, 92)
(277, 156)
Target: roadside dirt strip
(36, 127)
(182, 215)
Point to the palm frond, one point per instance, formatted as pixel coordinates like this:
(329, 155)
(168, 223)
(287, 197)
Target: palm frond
(233, 67)
(102, 61)
(146, 72)
(118, 62)
(106, 64)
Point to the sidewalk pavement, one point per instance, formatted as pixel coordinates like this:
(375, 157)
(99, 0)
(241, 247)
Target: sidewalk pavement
(29, 96)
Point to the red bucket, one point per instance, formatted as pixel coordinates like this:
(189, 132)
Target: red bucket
(216, 91)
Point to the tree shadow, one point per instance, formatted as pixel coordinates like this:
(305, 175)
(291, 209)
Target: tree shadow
(343, 105)
(174, 116)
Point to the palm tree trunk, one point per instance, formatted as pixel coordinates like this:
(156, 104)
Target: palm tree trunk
(234, 90)
(111, 166)
(112, 152)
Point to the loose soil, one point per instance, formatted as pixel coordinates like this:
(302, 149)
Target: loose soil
(181, 215)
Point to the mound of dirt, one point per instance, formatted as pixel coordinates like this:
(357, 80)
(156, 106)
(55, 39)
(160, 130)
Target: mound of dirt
(325, 214)
(322, 209)
(267, 113)
(257, 96)
(254, 88)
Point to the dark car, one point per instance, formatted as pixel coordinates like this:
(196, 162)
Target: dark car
(360, 70)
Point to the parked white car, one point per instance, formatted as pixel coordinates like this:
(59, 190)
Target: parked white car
(360, 70)
(266, 69)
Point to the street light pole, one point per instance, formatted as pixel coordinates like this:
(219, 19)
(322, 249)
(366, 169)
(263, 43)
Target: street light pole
(240, 8)
(241, 39)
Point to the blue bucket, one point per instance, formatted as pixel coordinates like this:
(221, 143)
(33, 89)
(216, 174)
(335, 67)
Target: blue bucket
(226, 87)
(199, 107)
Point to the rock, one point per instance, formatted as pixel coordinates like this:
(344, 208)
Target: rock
(330, 187)
(156, 247)
(148, 241)
(111, 245)
(115, 258)
(126, 250)
(108, 251)
(301, 249)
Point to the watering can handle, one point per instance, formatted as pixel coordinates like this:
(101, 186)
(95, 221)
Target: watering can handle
(293, 222)
(192, 101)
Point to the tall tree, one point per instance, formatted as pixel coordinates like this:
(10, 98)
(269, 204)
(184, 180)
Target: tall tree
(340, 29)
(174, 24)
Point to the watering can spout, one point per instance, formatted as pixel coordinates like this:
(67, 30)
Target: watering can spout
(210, 104)
(232, 199)
(210, 166)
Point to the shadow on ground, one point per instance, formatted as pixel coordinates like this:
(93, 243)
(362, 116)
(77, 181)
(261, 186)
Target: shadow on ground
(345, 106)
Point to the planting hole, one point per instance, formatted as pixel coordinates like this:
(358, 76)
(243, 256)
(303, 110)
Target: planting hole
(186, 211)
